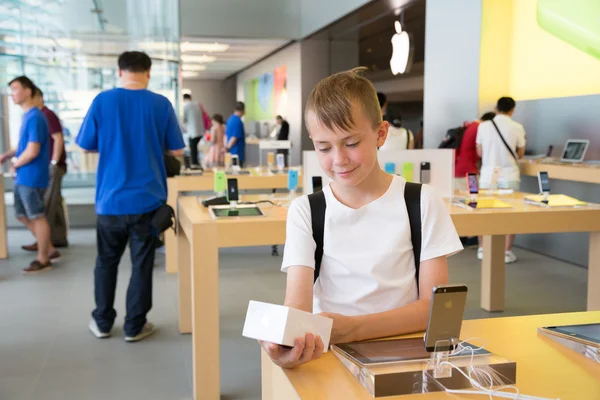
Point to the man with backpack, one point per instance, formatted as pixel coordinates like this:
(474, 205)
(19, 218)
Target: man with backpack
(501, 143)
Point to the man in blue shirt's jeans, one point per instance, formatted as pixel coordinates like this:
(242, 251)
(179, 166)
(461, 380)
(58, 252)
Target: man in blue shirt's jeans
(131, 128)
(32, 176)
(236, 137)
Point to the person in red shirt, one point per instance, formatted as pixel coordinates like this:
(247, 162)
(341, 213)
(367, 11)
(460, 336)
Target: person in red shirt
(58, 168)
(466, 158)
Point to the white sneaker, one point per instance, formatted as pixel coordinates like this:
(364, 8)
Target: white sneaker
(146, 331)
(480, 253)
(96, 331)
(509, 257)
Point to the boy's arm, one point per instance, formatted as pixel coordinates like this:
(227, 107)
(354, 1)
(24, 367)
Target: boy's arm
(31, 152)
(406, 319)
(299, 288)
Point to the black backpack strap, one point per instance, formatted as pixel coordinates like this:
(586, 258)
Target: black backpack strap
(512, 153)
(317, 215)
(412, 197)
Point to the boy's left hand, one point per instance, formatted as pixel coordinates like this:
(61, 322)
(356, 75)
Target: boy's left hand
(344, 328)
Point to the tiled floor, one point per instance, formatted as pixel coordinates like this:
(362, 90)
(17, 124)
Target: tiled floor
(47, 353)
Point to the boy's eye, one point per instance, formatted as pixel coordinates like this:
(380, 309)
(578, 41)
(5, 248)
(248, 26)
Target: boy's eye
(352, 144)
(325, 150)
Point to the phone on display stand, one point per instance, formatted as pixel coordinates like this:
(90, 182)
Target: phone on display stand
(220, 182)
(232, 190)
(235, 162)
(425, 172)
(280, 161)
(550, 149)
(544, 184)
(446, 312)
(390, 167)
(292, 180)
(473, 188)
(317, 183)
(408, 171)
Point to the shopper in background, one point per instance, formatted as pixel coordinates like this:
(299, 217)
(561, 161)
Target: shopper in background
(283, 134)
(466, 157)
(383, 104)
(131, 128)
(236, 136)
(193, 123)
(398, 137)
(55, 212)
(31, 168)
(216, 150)
(500, 143)
(419, 138)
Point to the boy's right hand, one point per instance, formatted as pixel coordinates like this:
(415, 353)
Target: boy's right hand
(304, 350)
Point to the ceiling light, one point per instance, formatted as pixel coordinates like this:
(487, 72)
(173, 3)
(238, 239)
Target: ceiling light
(208, 47)
(187, 74)
(198, 59)
(44, 42)
(158, 46)
(187, 67)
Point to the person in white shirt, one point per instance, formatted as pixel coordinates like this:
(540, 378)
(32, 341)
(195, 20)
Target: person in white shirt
(367, 279)
(398, 137)
(193, 122)
(496, 156)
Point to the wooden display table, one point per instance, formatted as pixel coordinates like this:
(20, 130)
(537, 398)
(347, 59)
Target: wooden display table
(544, 368)
(588, 173)
(200, 237)
(263, 181)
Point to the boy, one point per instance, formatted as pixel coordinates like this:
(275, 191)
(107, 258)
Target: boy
(367, 281)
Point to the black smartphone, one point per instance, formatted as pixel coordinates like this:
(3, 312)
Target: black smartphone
(425, 172)
(549, 153)
(446, 312)
(232, 190)
(544, 182)
(472, 183)
(317, 183)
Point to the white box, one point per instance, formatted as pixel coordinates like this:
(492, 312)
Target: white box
(283, 325)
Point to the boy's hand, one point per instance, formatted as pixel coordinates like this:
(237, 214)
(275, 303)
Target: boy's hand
(304, 350)
(344, 328)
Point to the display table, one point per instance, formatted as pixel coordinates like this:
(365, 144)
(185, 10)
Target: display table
(544, 368)
(200, 237)
(263, 181)
(588, 173)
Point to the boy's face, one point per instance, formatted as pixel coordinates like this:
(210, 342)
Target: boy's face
(347, 157)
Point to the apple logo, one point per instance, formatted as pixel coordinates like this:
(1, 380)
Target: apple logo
(401, 50)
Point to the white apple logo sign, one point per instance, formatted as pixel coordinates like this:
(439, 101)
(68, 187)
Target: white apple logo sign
(400, 50)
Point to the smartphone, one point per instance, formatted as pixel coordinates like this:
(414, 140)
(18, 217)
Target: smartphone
(317, 183)
(232, 190)
(549, 153)
(472, 183)
(425, 172)
(270, 159)
(292, 180)
(220, 182)
(235, 161)
(445, 317)
(544, 182)
(280, 161)
(390, 168)
(408, 172)
(574, 22)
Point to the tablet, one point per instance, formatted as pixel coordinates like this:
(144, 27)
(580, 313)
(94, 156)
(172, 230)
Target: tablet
(589, 333)
(227, 212)
(392, 351)
(574, 150)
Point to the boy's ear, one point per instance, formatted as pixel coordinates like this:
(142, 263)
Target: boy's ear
(382, 132)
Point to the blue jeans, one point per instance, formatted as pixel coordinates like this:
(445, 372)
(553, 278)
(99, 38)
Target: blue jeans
(113, 232)
(29, 202)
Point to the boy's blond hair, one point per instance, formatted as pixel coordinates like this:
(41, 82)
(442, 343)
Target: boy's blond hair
(332, 99)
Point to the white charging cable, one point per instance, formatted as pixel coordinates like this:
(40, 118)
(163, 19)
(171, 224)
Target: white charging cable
(476, 375)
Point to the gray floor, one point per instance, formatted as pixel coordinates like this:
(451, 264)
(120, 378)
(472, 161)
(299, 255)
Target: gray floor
(47, 353)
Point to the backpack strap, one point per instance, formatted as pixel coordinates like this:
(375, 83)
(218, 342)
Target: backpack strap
(412, 197)
(317, 215)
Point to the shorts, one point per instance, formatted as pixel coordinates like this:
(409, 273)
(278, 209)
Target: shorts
(29, 202)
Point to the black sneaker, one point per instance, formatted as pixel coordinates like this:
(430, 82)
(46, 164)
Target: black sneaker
(36, 267)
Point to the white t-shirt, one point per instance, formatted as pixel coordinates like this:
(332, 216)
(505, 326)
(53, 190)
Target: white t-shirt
(368, 263)
(396, 139)
(495, 154)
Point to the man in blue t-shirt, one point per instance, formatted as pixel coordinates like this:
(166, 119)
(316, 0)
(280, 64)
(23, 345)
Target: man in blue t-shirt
(236, 138)
(131, 128)
(32, 176)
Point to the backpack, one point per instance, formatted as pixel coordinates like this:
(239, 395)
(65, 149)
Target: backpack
(453, 138)
(412, 196)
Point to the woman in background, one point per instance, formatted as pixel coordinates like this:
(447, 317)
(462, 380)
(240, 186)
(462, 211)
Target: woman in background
(216, 151)
(398, 138)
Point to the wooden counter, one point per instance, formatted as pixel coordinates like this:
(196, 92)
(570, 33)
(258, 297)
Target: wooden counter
(544, 368)
(587, 173)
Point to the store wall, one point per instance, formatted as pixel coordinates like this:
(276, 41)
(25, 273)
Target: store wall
(316, 14)
(217, 96)
(452, 40)
(291, 58)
